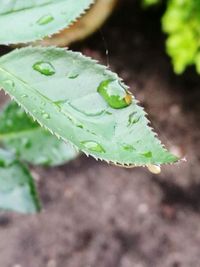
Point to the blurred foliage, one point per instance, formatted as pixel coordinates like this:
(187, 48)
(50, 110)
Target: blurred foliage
(181, 23)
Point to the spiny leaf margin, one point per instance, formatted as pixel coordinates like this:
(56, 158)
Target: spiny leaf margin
(93, 75)
(31, 143)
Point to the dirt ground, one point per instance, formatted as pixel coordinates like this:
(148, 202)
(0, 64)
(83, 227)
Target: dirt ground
(97, 215)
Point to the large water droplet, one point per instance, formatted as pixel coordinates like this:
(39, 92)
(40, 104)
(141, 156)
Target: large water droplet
(155, 169)
(93, 146)
(44, 67)
(24, 96)
(45, 19)
(73, 75)
(114, 94)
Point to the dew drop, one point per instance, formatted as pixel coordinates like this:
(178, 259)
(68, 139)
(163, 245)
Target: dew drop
(147, 154)
(46, 116)
(128, 147)
(155, 169)
(45, 19)
(114, 94)
(133, 118)
(24, 96)
(44, 67)
(9, 83)
(93, 146)
(73, 75)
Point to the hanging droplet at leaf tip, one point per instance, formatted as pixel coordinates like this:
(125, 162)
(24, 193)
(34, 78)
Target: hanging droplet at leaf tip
(155, 169)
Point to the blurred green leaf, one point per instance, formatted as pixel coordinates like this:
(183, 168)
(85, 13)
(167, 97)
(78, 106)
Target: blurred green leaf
(17, 188)
(31, 143)
(182, 22)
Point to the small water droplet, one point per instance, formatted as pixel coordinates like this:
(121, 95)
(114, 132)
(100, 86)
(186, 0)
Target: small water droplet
(155, 169)
(44, 67)
(45, 19)
(133, 118)
(46, 115)
(114, 94)
(26, 142)
(60, 102)
(93, 146)
(128, 147)
(147, 154)
(73, 75)
(9, 83)
(24, 96)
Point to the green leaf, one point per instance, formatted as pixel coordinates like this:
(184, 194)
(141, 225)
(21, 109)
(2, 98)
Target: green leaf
(24, 21)
(17, 189)
(73, 103)
(31, 143)
(181, 22)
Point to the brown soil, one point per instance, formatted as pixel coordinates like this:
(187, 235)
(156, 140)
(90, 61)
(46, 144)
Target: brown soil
(97, 215)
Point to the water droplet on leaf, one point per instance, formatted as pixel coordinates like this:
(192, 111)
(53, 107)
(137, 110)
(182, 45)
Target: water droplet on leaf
(24, 96)
(155, 169)
(44, 67)
(114, 94)
(93, 146)
(133, 118)
(45, 19)
(45, 115)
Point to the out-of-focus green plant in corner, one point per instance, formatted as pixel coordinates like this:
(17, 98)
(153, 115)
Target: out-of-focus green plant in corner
(181, 23)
